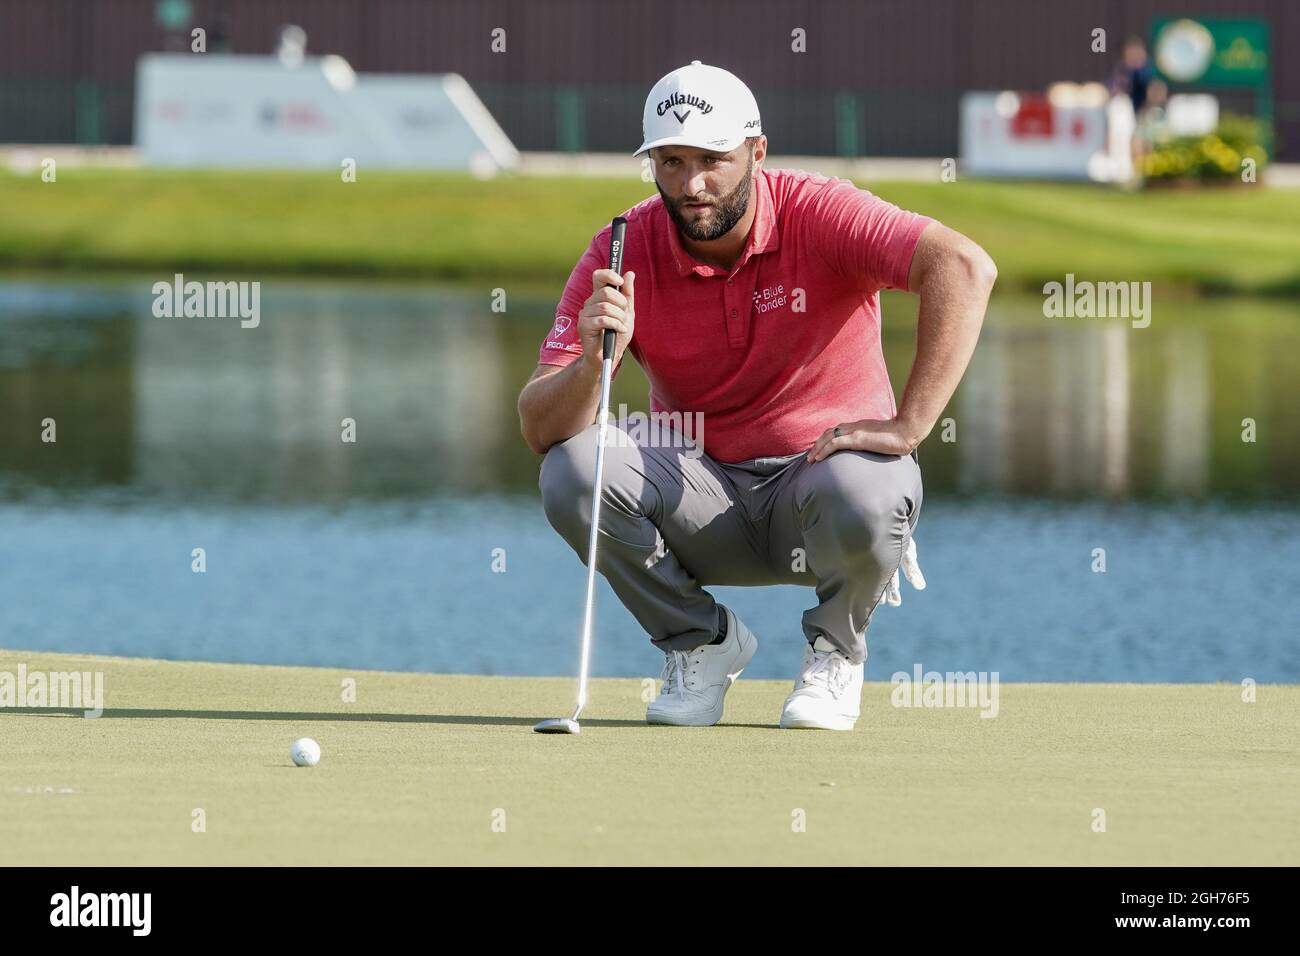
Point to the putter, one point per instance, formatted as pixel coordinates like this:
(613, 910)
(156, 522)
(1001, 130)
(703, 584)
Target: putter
(569, 725)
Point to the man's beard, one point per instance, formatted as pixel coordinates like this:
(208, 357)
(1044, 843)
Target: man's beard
(727, 211)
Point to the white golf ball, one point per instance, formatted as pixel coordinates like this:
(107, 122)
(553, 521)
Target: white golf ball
(305, 752)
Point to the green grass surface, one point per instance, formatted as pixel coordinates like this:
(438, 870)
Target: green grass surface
(532, 229)
(413, 772)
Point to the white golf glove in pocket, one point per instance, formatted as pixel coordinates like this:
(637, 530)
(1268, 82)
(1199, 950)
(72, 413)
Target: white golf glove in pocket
(911, 570)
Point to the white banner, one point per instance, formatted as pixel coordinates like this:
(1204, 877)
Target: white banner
(254, 111)
(1024, 135)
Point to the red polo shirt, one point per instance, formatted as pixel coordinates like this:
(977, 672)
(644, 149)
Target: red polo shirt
(786, 344)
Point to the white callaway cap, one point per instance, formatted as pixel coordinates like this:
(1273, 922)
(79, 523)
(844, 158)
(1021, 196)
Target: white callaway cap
(702, 106)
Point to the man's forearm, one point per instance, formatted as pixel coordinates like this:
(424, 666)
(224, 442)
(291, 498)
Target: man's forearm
(954, 293)
(554, 408)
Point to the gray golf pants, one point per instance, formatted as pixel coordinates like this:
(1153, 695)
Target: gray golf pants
(673, 519)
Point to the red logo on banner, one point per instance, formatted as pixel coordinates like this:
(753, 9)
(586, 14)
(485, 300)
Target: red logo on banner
(1034, 118)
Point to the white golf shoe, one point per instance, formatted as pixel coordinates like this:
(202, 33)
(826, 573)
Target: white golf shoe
(695, 682)
(827, 693)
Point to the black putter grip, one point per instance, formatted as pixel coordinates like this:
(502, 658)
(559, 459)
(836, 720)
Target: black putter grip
(617, 235)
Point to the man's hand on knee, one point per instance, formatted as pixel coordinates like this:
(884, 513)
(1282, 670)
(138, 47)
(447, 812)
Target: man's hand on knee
(892, 437)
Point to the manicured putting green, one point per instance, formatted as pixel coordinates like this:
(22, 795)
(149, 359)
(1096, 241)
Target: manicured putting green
(446, 769)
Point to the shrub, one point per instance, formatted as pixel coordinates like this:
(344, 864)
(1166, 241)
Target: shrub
(1214, 156)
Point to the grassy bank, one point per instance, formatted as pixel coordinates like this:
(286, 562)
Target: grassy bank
(419, 767)
(533, 229)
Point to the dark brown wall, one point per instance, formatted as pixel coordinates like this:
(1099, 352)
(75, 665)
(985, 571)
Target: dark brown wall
(906, 60)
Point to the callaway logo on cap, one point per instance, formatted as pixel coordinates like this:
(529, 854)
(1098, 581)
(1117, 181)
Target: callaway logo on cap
(702, 106)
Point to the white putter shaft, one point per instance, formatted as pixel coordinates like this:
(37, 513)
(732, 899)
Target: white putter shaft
(569, 725)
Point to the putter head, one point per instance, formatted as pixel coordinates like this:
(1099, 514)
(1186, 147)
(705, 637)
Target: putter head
(558, 725)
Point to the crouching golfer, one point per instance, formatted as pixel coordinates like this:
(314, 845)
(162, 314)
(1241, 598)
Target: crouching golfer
(750, 297)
